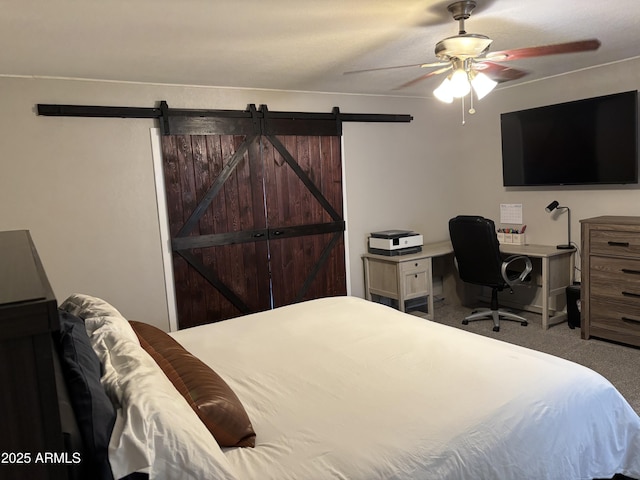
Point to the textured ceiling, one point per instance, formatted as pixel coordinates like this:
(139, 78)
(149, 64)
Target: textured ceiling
(294, 44)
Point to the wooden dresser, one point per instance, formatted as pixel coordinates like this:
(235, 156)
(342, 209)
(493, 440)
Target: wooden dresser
(610, 292)
(30, 425)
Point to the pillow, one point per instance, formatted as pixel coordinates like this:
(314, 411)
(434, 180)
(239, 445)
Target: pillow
(156, 430)
(99, 316)
(104, 325)
(93, 410)
(208, 394)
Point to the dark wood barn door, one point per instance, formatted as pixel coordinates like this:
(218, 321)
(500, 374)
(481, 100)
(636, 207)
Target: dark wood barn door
(303, 183)
(214, 190)
(255, 221)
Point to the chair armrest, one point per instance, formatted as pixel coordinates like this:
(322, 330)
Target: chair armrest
(513, 280)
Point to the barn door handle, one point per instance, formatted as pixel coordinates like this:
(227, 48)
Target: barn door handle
(634, 272)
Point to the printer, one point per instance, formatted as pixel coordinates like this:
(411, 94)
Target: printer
(395, 242)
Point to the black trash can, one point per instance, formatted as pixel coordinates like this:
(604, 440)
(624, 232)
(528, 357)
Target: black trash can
(573, 305)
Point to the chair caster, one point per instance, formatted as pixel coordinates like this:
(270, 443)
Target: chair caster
(496, 329)
(465, 322)
(524, 324)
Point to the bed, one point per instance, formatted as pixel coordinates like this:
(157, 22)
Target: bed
(343, 388)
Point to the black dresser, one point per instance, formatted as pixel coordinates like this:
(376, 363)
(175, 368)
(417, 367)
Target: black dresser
(31, 440)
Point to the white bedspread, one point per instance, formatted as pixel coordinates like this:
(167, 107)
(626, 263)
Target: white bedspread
(343, 388)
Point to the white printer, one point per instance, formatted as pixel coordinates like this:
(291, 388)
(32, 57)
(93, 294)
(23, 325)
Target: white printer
(395, 242)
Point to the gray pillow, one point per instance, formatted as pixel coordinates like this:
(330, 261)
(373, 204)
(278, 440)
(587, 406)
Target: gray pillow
(93, 409)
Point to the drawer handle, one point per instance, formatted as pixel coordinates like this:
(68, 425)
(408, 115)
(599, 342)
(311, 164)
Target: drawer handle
(618, 244)
(630, 320)
(630, 294)
(632, 272)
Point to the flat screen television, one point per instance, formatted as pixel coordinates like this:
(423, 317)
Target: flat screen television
(584, 142)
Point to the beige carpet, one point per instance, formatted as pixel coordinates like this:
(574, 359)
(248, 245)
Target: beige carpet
(618, 363)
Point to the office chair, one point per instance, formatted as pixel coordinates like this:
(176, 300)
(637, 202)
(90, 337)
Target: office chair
(477, 253)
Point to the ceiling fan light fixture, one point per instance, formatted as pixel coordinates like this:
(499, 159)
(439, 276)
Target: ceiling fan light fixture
(443, 92)
(482, 84)
(469, 45)
(459, 85)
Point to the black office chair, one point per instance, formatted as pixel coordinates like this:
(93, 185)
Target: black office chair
(478, 258)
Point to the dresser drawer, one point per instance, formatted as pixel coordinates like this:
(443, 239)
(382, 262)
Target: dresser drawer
(415, 265)
(615, 322)
(610, 242)
(617, 279)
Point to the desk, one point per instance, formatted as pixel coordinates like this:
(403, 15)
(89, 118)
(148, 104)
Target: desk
(403, 277)
(557, 274)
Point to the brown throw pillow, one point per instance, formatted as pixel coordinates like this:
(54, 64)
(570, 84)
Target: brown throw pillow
(209, 395)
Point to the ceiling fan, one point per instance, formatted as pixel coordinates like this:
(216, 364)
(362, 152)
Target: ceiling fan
(471, 64)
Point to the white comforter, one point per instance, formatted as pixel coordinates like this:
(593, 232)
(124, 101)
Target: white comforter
(342, 388)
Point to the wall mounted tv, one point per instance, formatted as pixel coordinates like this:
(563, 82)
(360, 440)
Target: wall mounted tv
(584, 142)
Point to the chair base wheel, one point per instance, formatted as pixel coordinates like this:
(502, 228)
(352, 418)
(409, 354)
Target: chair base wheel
(496, 329)
(465, 322)
(524, 324)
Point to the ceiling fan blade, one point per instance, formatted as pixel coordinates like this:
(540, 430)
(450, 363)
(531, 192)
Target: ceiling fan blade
(499, 73)
(569, 47)
(423, 77)
(421, 65)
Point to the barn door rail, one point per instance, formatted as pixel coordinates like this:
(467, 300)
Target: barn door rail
(262, 121)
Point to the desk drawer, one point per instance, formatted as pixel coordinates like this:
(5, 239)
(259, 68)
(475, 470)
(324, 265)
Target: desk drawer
(415, 265)
(616, 279)
(609, 242)
(416, 284)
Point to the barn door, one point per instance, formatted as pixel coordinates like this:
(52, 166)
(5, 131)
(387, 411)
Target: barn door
(215, 203)
(303, 184)
(256, 222)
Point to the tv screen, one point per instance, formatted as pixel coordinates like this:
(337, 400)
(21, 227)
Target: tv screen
(585, 142)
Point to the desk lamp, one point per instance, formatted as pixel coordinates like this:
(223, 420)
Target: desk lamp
(553, 206)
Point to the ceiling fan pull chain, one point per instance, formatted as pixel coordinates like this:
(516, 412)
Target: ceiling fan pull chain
(462, 103)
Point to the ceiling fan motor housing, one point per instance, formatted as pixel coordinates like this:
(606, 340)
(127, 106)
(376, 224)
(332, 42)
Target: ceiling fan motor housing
(462, 10)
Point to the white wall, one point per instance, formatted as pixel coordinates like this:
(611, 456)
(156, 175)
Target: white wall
(85, 188)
